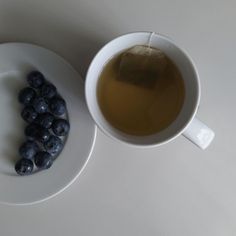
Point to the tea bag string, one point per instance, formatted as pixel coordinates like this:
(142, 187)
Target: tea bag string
(148, 48)
(150, 40)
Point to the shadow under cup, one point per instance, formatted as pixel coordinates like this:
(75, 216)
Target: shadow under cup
(177, 55)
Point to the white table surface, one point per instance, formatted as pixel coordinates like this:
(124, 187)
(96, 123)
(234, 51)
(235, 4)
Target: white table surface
(176, 189)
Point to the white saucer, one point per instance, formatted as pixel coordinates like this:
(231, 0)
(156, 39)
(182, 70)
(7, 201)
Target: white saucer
(16, 59)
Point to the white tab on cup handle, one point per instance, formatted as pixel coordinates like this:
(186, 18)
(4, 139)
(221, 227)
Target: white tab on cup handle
(198, 133)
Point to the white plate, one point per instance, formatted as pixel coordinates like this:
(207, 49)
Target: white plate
(16, 59)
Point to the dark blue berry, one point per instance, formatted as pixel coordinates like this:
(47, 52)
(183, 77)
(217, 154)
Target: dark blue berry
(60, 127)
(40, 104)
(31, 131)
(35, 79)
(29, 114)
(57, 106)
(43, 160)
(43, 135)
(45, 120)
(48, 91)
(26, 95)
(53, 145)
(24, 167)
(28, 149)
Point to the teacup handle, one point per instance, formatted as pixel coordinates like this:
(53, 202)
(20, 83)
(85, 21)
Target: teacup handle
(198, 133)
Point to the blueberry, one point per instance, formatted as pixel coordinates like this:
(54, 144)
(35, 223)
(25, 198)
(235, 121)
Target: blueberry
(35, 79)
(29, 114)
(60, 127)
(43, 160)
(31, 131)
(26, 95)
(40, 104)
(48, 90)
(28, 149)
(53, 145)
(45, 120)
(57, 106)
(24, 167)
(43, 135)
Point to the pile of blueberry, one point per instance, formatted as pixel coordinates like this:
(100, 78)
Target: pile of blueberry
(46, 114)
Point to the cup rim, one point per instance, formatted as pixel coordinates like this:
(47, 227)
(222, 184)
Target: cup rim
(194, 110)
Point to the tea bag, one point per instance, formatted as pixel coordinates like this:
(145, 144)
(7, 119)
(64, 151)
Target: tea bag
(142, 65)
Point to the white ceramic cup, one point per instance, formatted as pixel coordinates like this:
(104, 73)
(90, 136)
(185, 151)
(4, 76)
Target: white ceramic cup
(186, 123)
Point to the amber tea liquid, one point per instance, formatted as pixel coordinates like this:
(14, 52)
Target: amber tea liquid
(140, 110)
